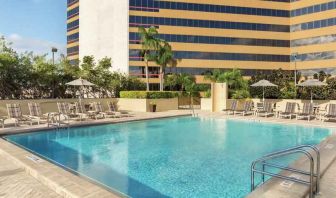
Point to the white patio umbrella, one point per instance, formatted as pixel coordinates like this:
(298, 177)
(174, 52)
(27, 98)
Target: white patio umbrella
(263, 84)
(81, 83)
(312, 83)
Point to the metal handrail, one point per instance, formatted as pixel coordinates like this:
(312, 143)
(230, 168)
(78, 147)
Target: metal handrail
(298, 149)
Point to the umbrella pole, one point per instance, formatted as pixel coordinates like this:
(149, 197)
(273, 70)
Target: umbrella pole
(263, 94)
(80, 99)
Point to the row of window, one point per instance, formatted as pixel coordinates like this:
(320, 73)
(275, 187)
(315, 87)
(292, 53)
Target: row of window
(140, 71)
(73, 25)
(284, 1)
(314, 40)
(73, 12)
(314, 8)
(145, 21)
(73, 50)
(135, 38)
(135, 55)
(74, 62)
(152, 5)
(313, 25)
(70, 2)
(315, 56)
(73, 37)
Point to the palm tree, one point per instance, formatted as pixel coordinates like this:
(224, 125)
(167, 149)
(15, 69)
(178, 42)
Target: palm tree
(149, 42)
(164, 57)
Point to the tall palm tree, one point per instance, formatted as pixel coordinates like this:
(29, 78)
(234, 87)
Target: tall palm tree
(164, 57)
(149, 43)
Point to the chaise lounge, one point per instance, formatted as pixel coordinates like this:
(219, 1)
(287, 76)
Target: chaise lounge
(307, 112)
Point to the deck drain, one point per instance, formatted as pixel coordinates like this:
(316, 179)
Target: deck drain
(329, 146)
(34, 158)
(287, 183)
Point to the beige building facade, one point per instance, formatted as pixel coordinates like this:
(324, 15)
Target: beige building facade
(252, 35)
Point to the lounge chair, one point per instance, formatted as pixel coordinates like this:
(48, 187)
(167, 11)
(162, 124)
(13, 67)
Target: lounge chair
(82, 113)
(289, 111)
(14, 112)
(65, 111)
(330, 114)
(98, 107)
(112, 108)
(232, 108)
(266, 110)
(35, 112)
(248, 105)
(307, 111)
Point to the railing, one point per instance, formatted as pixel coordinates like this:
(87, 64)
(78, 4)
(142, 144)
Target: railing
(306, 151)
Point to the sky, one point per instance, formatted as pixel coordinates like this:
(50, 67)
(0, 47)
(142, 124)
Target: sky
(34, 25)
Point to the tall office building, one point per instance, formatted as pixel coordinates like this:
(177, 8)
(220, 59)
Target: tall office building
(251, 35)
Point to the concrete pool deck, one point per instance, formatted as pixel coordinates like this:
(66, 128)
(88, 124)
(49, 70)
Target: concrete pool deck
(49, 180)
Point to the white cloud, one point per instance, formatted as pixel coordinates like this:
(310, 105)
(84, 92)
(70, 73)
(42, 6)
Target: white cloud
(24, 44)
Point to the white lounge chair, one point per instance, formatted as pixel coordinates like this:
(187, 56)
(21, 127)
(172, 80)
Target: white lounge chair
(330, 114)
(266, 110)
(289, 111)
(14, 112)
(307, 112)
(247, 109)
(232, 107)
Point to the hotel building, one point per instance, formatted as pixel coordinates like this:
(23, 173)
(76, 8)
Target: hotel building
(252, 35)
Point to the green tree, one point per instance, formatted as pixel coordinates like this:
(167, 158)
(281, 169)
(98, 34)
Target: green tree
(238, 86)
(164, 57)
(149, 45)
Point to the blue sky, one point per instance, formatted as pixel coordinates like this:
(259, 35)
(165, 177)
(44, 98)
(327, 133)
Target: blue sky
(34, 25)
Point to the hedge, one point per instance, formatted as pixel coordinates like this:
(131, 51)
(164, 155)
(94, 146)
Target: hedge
(149, 94)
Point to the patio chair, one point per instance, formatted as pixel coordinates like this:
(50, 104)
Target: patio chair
(307, 112)
(98, 107)
(35, 112)
(65, 111)
(330, 114)
(232, 108)
(112, 108)
(289, 111)
(247, 109)
(81, 113)
(266, 110)
(14, 112)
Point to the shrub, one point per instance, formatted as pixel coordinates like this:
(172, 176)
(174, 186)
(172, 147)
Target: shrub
(149, 94)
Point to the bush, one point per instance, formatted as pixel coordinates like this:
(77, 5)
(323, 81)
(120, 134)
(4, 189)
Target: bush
(149, 94)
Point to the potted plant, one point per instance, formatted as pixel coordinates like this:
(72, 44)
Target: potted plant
(152, 106)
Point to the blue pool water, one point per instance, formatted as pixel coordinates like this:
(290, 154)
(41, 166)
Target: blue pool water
(176, 157)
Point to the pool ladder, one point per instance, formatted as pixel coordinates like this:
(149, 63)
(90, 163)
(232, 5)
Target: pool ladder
(306, 150)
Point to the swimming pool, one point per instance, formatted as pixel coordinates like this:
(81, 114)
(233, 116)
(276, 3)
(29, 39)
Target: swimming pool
(175, 157)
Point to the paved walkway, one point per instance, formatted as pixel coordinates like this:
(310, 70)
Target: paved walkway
(328, 183)
(15, 182)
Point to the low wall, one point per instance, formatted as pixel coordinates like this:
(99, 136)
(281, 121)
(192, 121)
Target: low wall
(123, 104)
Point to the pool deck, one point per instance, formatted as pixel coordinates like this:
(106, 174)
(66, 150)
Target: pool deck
(22, 176)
